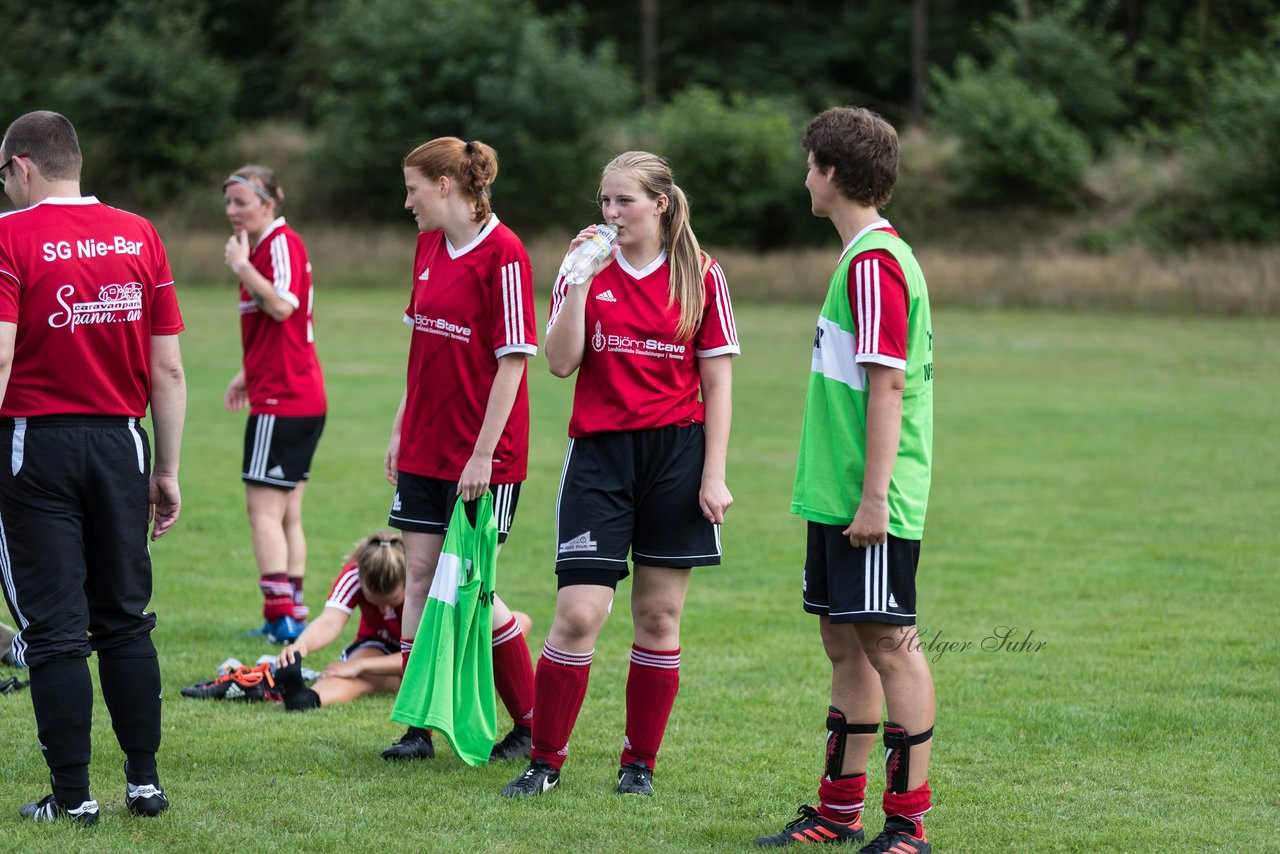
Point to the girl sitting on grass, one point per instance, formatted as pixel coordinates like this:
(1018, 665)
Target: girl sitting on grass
(372, 579)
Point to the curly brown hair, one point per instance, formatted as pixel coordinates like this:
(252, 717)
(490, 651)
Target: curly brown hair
(861, 147)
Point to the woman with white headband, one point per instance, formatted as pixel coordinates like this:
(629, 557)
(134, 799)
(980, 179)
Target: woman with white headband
(281, 383)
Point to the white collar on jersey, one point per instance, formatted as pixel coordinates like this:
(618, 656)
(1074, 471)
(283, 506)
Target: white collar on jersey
(484, 232)
(55, 200)
(276, 223)
(648, 268)
(880, 223)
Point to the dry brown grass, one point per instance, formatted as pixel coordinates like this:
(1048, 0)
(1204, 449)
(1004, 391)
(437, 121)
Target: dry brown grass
(1229, 280)
(1223, 281)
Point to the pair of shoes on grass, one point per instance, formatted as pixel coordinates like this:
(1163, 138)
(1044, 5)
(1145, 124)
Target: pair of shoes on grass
(416, 744)
(634, 778)
(899, 836)
(142, 799)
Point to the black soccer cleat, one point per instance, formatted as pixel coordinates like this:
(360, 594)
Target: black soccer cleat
(248, 684)
(635, 778)
(900, 836)
(414, 744)
(514, 745)
(48, 809)
(810, 826)
(146, 800)
(536, 779)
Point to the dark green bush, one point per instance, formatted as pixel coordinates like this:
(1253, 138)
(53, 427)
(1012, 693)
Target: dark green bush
(740, 163)
(1069, 53)
(394, 75)
(1014, 147)
(151, 107)
(1233, 147)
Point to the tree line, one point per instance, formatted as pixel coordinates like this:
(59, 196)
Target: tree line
(1017, 100)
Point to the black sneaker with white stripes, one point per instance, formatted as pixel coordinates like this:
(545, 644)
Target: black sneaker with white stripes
(536, 779)
(146, 800)
(48, 809)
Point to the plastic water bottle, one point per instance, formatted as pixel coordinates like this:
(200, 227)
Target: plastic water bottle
(589, 258)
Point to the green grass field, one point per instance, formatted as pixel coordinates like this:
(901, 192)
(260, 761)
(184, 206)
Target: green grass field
(1105, 487)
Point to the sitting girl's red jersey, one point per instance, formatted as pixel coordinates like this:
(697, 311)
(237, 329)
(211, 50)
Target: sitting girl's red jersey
(375, 624)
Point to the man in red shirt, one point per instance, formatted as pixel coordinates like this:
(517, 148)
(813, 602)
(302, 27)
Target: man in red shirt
(89, 327)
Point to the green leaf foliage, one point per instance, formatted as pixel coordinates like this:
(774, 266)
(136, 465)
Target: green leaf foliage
(397, 75)
(1069, 54)
(1014, 144)
(740, 163)
(150, 105)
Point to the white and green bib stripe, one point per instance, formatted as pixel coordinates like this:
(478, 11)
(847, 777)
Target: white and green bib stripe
(832, 459)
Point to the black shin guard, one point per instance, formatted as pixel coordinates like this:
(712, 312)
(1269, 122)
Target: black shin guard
(838, 729)
(897, 755)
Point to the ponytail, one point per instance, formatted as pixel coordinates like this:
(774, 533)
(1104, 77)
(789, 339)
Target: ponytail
(687, 262)
(472, 166)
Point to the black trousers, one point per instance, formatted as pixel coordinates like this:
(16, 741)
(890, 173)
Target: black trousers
(77, 578)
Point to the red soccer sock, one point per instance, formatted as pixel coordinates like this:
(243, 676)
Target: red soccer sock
(513, 672)
(406, 647)
(842, 799)
(300, 609)
(652, 684)
(277, 596)
(910, 805)
(560, 687)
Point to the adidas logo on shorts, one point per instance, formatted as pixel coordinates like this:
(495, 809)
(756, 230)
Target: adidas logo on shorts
(580, 543)
(276, 472)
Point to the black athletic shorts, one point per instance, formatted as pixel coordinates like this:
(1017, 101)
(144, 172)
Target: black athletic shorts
(424, 505)
(632, 492)
(73, 534)
(860, 585)
(278, 449)
(383, 647)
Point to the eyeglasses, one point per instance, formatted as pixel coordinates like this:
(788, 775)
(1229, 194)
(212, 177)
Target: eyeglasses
(8, 164)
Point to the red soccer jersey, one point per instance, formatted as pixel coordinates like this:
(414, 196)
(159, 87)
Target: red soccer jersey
(879, 296)
(375, 623)
(634, 374)
(87, 285)
(469, 307)
(280, 365)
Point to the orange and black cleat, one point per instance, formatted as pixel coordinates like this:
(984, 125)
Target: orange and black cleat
(811, 826)
(900, 836)
(248, 684)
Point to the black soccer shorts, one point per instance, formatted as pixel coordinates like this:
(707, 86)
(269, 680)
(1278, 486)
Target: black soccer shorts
(425, 504)
(637, 492)
(278, 449)
(876, 584)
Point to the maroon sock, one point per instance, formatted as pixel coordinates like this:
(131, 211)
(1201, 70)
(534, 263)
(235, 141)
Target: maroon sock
(513, 672)
(910, 805)
(652, 684)
(277, 596)
(841, 799)
(406, 647)
(560, 686)
(300, 609)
